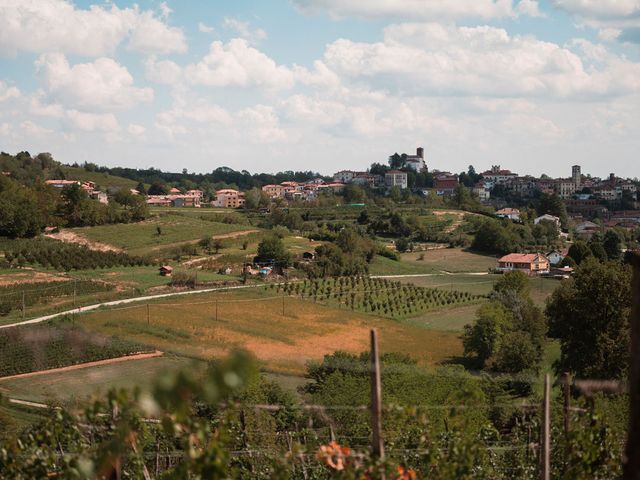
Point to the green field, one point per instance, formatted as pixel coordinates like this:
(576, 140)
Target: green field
(254, 320)
(452, 260)
(75, 385)
(142, 238)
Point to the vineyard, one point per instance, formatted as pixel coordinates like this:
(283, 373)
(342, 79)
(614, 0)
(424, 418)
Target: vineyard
(64, 256)
(377, 295)
(20, 296)
(24, 350)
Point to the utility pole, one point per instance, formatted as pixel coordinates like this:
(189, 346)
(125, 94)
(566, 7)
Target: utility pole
(75, 291)
(632, 462)
(377, 445)
(216, 309)
(545, 451)
(24, 310)
(283, 294)
(148, 315)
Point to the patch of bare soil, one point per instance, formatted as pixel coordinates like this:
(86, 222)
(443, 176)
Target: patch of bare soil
(32, 277)
(72, 237)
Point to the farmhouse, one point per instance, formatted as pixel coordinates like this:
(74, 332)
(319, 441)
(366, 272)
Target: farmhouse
(166, 270)
(529, 263)
(510, 213)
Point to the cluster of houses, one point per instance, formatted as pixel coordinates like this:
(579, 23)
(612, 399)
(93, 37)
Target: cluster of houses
(305, 191)
(175, 198)
(580, 192)
(89, 187)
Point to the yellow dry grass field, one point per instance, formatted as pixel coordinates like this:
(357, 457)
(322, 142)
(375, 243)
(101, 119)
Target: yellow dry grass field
(255, 322)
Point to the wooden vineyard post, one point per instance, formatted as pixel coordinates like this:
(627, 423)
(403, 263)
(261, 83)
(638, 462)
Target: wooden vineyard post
(377, 445)
(545, 451)
(632, 453)
(566, 412)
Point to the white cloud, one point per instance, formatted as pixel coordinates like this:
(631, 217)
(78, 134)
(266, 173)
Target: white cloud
(136, 130)
(614, 19)
(262, 123)
(238, 64)
(432, 59)
(36, 107)
(92, 122)
(204, 28)
(58, 25)
(529, 8)
(34, 129)
(163, 71)
(7, 92)
(601, 8)
(151, 35)
(420, 9)
(243, 30)
(102, 83)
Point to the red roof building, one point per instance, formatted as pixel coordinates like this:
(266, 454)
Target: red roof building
(529, 263)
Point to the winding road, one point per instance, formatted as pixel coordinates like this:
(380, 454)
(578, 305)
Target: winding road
(124, 301)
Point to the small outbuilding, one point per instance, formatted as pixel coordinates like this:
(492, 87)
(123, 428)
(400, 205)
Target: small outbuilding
(166, 270)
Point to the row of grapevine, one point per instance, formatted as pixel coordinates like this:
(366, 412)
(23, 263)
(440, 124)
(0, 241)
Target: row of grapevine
(24, 295)
(28, 349)
(64, 256)
(377, 295)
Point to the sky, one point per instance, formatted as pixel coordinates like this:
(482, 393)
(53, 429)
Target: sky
(324, 85)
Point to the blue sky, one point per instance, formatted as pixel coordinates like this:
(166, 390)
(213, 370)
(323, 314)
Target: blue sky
(324, 84)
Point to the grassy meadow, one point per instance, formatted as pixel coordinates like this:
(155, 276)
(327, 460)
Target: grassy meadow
(254, 320)
(79, 384)
(142, 238)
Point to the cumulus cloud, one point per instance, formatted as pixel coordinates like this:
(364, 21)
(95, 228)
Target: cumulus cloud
(58, 25)
(238, 64)
(244, 30)
(162, 71)
(93, 122)
(432, 59)
(614, 19)
(103, 83)
(7, 92)
(420, 9)
(152, 35)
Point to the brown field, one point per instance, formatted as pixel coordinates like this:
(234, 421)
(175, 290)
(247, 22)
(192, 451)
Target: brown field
(283, 343)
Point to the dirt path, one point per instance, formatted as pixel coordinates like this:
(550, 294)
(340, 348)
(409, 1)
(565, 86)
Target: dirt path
(109, 361)
(70, 237)
(125, 301)
(220, 236)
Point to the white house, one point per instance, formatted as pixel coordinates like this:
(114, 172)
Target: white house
(548, 218)
(555, 257)
(395, 178)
